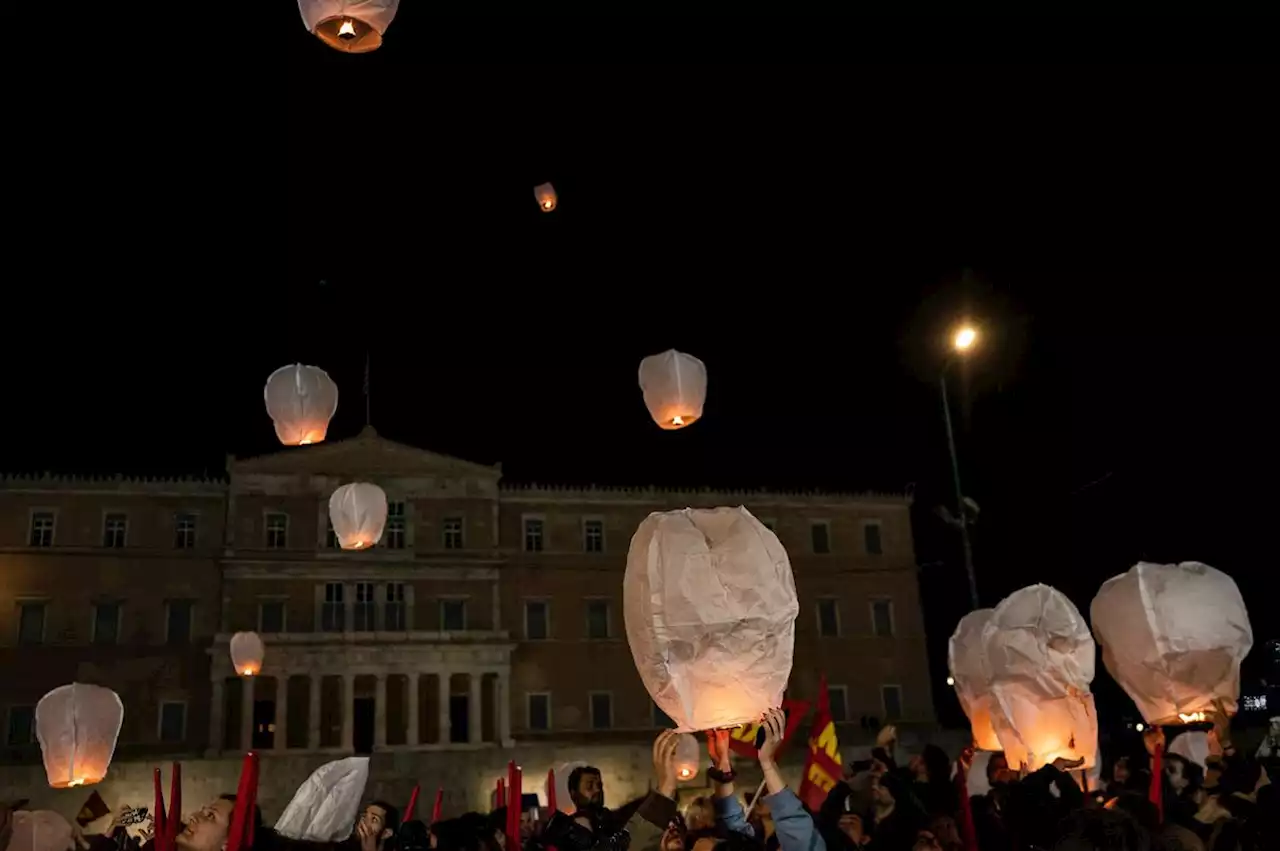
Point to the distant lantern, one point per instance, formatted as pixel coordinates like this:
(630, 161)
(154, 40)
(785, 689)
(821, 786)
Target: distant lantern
(710, 608)
(675, 387)
(247, 653)
(352, 26)
(358, 512)
(1173, 636)
(688, 755)
(971, 676)
(40, 830)
(77, 726)
(1041, 658)
(301, 400)
(546, 195)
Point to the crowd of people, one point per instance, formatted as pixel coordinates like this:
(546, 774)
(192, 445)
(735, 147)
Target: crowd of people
(1207, 798)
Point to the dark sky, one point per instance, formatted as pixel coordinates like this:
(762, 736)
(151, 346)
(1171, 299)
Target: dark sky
(805, 231)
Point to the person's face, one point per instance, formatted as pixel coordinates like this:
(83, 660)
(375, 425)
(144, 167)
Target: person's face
(374, 818)
(926, 841)
(671, 839)
(998, 770)
(880, 794)
(207, 829)
(1120, 773)
(591, 788)
(917, 768)
(1173, 770)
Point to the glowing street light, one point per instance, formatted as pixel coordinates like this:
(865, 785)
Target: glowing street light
(951, 681)
(965, 338)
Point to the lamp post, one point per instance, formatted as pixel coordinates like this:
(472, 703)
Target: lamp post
(961, 343)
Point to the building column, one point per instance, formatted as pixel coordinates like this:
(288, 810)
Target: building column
(217, 722)
(348, 712)
(281, 740)
(442, 695)
(475, 707)
(313, 713)
(380, 713)
(502, 694)
(246, 713)
(411, 722)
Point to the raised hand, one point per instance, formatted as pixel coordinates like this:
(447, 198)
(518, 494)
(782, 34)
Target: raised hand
(718, 748)
(1064, 764)
(887, 737)
(775, 727)
(664, 762)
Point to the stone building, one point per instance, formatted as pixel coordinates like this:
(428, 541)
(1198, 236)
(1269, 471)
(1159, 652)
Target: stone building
(490, 611)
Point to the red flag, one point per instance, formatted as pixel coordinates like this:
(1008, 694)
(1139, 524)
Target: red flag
(413, 805)
(822, 769)
(742, 740)
(515, 798)
(438, 808)
(500, 795)
(551, 790)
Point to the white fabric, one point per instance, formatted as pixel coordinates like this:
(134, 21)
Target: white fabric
(376, 13)
(40, 830)
(1173, 636)
(1192, 745)
(967, 662)
(77, 726)
(358, 512)
(1041, 657)
(545, 194)
(977, 782)
(325, 806)
(247, 653)
(675, 388)
(300, 401)
(710, 607)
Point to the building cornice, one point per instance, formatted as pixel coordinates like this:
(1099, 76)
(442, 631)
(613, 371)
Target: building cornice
(113, 484)
(536, 492)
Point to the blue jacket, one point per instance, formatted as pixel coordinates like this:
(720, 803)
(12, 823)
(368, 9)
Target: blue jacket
(793, 825)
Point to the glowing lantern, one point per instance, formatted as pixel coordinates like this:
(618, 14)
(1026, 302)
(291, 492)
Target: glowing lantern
(675, 387)
(41, 830)
(247, 653)
(352, 26)
(710, 608)
(301, 400)
(358, 512)
(545, 194)
(1173, 636)
(688, 755)
(972, 677)
(77, 726)
(1040, 655)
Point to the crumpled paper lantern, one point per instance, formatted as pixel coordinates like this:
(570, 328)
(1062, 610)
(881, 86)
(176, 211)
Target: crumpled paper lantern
(1041, 655)
(710, 608)
(247, 653)
(358, 512)
(352, 26)
(688, 757)
(545, 194)
(41, 830)
(77, 726)
(675, 388)
(967, 662)
(325, 806)
(300, 400)
(1173, 636)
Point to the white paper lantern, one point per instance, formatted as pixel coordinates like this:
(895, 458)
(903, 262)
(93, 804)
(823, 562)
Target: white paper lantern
(247, 653)
(77, 726)
(358, 512)
(688, 756)
(545, 195)
(967, 662)
(41, 830)
(325, 806)
(675, 388)
(352, 26)
(710, 607)
(1173, 636)
(1041, 658)
(301, 400)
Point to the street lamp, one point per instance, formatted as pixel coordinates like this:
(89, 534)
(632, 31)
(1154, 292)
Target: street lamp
(962, 342)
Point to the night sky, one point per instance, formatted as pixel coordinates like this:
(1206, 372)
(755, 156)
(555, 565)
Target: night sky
(810, 233)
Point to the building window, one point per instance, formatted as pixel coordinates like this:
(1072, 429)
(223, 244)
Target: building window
(871, 538)
(453, 539)
(539, 711)
(393, 612)
(42, 526)
(393, 534)
(597, 619)
(828, 618)
(184, 531)
(820, 534)
(453, 615)
(601, 710)
(115, 528)
(662, 720)
(593, 536)
(537, 620)
(277, 531)
(882, 618)
(177, 622)
(271, 616)
(366, 608)
(333, 615)
(22, 726)
(533, 534)
(173, 722)
(839, 697)
(31, 623)
(891, 698)
(106, 623)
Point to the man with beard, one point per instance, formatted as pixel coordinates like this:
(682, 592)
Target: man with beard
(586, 789)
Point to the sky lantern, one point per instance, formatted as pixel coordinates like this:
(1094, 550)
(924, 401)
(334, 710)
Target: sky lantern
(77, 726)
(358, 512)
(1041, 658)
(301, 400)
(545, 194)
(710, 608)
(1173, 636)
(675, 388)
(247, 653)
(688, 756)
(40, 830)
(967, 662)
(352, 26)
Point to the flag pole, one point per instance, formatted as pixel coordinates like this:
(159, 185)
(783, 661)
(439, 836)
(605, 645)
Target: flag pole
(754, 798)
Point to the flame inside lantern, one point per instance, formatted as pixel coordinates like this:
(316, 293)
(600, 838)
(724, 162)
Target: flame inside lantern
(347, 30)
(677, 421)
(79, 781)
(1191, 717)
